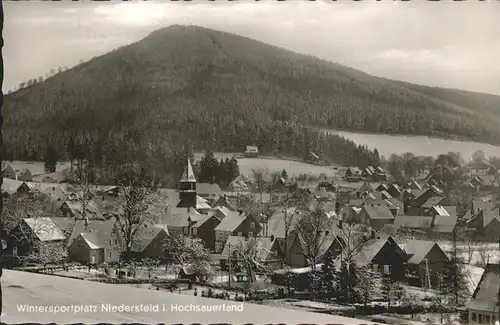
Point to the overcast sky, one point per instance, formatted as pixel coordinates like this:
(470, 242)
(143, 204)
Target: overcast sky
(445, 44)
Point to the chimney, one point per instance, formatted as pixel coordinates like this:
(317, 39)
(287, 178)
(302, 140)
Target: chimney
(373, 234)
(340, 224)
(240, 212)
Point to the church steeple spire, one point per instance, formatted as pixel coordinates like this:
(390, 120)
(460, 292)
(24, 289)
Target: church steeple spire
(188, 175)
(187, 188)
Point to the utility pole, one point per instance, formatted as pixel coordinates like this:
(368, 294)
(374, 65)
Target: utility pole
(498, 297)
(229, 265)
(427, 273)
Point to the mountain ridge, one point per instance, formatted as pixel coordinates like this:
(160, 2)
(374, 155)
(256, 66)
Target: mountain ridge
(187, 79)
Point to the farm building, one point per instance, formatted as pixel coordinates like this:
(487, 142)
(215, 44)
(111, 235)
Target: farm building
(252, 152)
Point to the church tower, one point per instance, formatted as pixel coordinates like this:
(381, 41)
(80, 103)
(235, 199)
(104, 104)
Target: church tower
(187, 188)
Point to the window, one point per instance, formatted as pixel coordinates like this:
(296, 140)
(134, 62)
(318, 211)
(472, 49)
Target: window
(116, 242)
(250, 234)
(493, 319)
(480, 318)
(474, 317)
(186, 230)
(240, 233)
(387, 269)
(487, 319)
(252, 225)
(375, 267)
(109, 254)
(195, 231)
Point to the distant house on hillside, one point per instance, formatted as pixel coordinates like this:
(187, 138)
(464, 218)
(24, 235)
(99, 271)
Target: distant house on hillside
(240, 184)
(353, 174)
(483, 308)
(8, 171)
(25, 175)
(252, 152)
(479, 166)
(313, 158)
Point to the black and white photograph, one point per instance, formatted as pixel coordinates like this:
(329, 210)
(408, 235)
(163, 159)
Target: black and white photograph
(250, 162)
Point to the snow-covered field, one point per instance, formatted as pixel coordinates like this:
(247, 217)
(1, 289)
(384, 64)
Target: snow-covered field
(29, 290)
(293, 168)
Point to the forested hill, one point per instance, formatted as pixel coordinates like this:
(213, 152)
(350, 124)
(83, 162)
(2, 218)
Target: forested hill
(224, 91)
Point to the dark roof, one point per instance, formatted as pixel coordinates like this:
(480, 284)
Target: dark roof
(485, 296)
(142, 241)
(433, 201)
(231, 222)
(371, 248)
(417, 250)
(101, 229)
(445, 224)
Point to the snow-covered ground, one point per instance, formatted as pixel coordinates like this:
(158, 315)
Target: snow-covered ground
(30, 290)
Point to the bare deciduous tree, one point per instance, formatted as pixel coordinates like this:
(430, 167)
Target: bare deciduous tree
(138, 208)
(314, 231)
(247, 255)
(186, 252)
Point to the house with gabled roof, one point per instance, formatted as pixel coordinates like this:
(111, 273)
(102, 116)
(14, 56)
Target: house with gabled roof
(375, 216)
(486, 205)
(8, 171)
(383, 255)
(203, 228)
(74, 209)
(426, 262)
(369, 172)
(483, 306)
(382, 187)
(485, 225)
(10, 186)
(152, 243)
(24, 175)
(35, 230)
(224, 202)
(236, 224)
(353, 174)
(413, 185)
(95, 242)
(394, 190)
